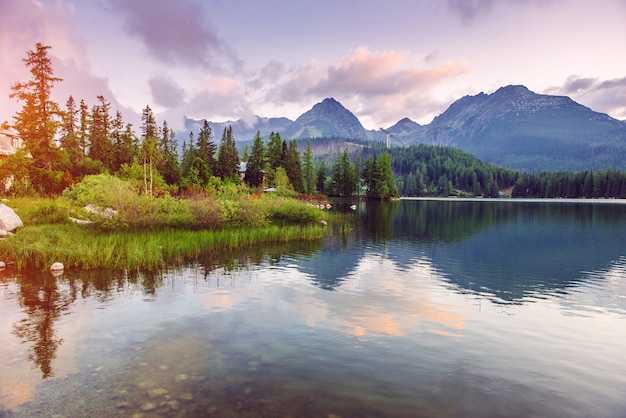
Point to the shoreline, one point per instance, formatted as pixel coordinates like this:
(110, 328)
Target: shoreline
(521, 200)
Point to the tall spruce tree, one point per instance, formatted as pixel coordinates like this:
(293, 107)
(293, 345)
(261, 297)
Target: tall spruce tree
(205, 147)
(100, 148)
(321, 178)
(344, 176)
(228, 157)
(308, 172)
(188, 157)
(292, 165)
(274, 150)
(117, 137)
(169, 167)
(378, 178)
(70, 137)
(256, 162)
(38, 122)
(40, 118)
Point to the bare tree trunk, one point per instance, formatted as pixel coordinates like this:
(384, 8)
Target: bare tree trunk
(145, 178)
(151, 178)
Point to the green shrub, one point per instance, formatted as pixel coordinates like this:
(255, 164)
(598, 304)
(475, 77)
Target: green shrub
(294, 211)
(102, 190)
(206, 213)
(230, 211)
(253, 212)
(116, 204)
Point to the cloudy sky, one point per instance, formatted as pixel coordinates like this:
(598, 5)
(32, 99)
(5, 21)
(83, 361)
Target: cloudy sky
(383, 60)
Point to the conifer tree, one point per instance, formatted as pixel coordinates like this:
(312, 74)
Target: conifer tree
(321, 178)
(378, 177)
(274, 150)
(188, 157)
(205, 147)
(129, 147)
(70, 139)
(308, 171)
(245, 154)
(255, 164)
(169, 167)
(344, 176)
(292, 166)
(38, 122)
(228, 158)
(385, 174)
(100, 148)
(117, 133)
(39, 119)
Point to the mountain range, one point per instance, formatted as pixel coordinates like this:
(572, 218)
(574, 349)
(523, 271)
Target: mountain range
(512, 127)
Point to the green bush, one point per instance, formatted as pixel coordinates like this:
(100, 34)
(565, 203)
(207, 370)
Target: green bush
(293, 211)
(253, 212)
(102, 190)
(206, 213)
(116, 204)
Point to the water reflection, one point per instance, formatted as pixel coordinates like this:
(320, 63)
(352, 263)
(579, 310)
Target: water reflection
(307, 328)
(43, 301)
(508, 250)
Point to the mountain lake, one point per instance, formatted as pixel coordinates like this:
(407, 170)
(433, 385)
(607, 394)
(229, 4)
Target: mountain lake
(415, 308)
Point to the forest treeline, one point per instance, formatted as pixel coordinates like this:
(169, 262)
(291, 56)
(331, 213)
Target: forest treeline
(424, 170)
(63, 145)
(584, 184)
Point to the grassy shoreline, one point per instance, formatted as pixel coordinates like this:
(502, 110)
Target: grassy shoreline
(37, 247)
(130, 231)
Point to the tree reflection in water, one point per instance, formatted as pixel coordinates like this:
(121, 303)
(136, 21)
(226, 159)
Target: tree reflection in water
(44, 298)
(43, 302)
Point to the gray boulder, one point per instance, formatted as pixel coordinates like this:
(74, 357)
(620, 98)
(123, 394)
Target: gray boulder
(9, 221)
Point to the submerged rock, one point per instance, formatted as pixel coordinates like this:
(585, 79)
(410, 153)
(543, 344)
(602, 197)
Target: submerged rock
(148, 406)
(157, 392)
(186, 396)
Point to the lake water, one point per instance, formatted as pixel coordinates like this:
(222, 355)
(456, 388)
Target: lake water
(413, 309)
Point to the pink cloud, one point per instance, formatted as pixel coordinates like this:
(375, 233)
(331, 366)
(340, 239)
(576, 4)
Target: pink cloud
(219, 98)
(386, 73)
(375, 85)
(23, 23)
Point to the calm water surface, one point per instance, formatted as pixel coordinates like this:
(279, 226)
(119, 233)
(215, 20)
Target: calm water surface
(416, 308)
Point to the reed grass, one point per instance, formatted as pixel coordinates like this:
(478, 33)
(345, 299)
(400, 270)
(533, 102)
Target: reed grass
(149, 233)
(39, 246)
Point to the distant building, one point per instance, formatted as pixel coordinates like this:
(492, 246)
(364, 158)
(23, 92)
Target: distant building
(243, 166)
(9, 142)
